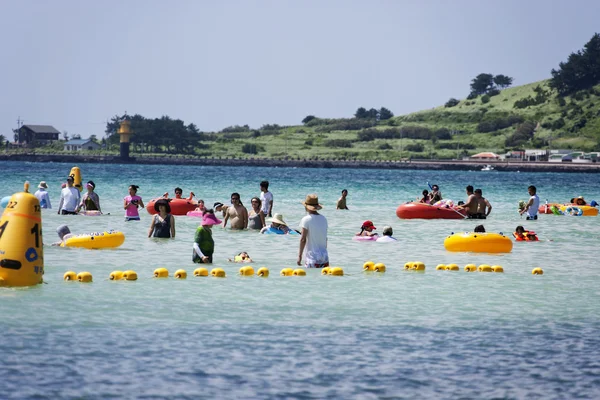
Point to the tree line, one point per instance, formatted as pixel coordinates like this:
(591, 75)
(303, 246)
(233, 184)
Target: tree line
(581, 71)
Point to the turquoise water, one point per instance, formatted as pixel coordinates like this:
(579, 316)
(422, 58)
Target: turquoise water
(395, 335)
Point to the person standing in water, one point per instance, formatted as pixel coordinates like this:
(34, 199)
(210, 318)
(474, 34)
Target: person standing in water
(237, 213)
(69, 198)
(266, 199)
(90, 201)
(313, 242)
(131, 204)
(204, 245)
(531, 208)
(341, 203)
(163, 223)
(42, 195)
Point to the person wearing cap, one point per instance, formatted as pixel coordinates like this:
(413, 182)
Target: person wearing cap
(42, 195)
(277, 226)
(367, 229)
(69, 199)
(90, 201)
(163, 223)
(313, 242)
(204, 245)
(64, 233)
(387, 235)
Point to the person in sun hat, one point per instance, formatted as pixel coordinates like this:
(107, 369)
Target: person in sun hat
(204, 245)
(90, 201)
(163, 223)
(277, 226)
(313, 242)
(367, 229)
(42, 195)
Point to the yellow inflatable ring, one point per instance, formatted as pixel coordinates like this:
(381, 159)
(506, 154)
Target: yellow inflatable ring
(96, 240)
(477, 242)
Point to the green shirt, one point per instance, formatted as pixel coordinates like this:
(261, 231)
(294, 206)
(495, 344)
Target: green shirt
(205, 241)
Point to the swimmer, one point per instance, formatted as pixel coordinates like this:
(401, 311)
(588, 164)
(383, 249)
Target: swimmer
(201, 208)
(64, 233)
(387, 235)
(522, 234)
(241, 258)
(367, 229)
(341, 203)
(178, 193)
(278, 225)
(218, 206)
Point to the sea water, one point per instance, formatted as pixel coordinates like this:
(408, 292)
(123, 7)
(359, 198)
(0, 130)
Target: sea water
(399, 334)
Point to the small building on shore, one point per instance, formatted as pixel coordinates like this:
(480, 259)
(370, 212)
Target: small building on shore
(81, 144)
(36, 134)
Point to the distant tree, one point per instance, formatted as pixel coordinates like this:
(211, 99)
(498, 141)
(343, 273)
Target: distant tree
(482, 83)
(2, 139)
(65, 135)
(94, 138)
(373, 113)
(581, 71)
(76, 136)
(485, 99)
(249, 148)
(308, 118)
(385, 114)
(451, 102)
(361, 113)
(503, 81)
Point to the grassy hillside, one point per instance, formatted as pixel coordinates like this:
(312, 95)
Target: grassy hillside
(469, 127)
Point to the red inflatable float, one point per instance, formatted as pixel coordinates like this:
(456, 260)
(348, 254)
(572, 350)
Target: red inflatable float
(178, 206)
(427, 211)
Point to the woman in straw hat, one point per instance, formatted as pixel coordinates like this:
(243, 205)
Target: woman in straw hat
(277, 226)
(313, 242)
(42, 195)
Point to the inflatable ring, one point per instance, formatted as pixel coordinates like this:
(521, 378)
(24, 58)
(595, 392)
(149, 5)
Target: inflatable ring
(96, 240)
(477, 242)
(574, 211)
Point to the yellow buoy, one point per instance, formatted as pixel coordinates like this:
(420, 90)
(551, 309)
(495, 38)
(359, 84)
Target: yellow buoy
(537, 271)
(470, 268)
(218, 273)
(408, 265)
(299, 272)
(84, 277)
(247, 271)
(70, 276)
(452, 267)
(418, 266)
(201, 272)
(497, 268)
(180, 274)
(440, 267)
(286, 272)
(116, 276)
(161, 273)
(263, 271)
(130, 275)
(368, 266)
(21, 243)
(337, 271)
(379, 267)
(325, 271)
(76, 174)
(484, 268)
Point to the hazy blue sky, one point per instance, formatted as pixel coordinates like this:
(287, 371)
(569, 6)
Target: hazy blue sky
(74, 64)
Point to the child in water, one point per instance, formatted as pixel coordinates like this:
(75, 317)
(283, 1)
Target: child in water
(367, 229)
(522, 234)
(241, 258)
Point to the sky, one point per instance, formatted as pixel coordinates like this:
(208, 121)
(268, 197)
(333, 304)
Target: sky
(75, 64)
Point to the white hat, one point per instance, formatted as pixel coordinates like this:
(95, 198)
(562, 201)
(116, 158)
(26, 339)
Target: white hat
(278, 218)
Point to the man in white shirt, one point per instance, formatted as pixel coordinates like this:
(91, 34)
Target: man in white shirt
(43, 196)
(69, 199)
(532, 205)
(313, 242)
(266, 199)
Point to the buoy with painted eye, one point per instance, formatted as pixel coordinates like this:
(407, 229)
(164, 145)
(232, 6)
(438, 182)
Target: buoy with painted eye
(418, 266)
(130, 275)
(286, 272)
(325, 271)
(497, 268)
(484, 268)
(408, 265)
(70, 276)
(263, 271)
(84, 277)
(180, 274)
(470, 268)
(247, 271)
(161, 273)
(299, 272)
(218, 273)
(537, 271)
(440, 267)
(379, 267)
(200, 272)
(368, 266)
(452, 267)
(116, 276)
(336, 271)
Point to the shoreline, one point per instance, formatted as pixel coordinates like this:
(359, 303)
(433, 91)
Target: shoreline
(459, 165)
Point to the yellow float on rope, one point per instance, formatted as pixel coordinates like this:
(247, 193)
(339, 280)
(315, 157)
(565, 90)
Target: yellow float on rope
(325, 271)
(497, 268)
(84, 277)
(379, 267)
(537, 271)
(218, 273)
(440, 267)
(470, 268)
(130, 275)
(299, 272)
(247, 271)
(116, 276)
(368, 266)
(418, 266)
(484, 268)
(200, 272)
(286, 272)
(263, 271)
(161, 273)
(180, 274)
(452, 267)
(336, 271)
(70, 276)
